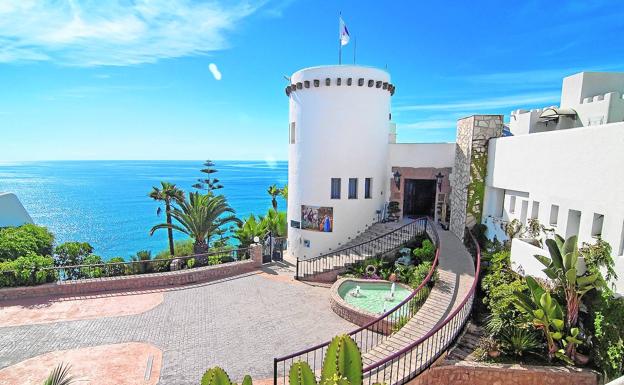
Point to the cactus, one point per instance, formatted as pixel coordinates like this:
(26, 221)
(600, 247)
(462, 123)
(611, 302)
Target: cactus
(343, 361)
(216, 376)
(301, 374)
(247, 380)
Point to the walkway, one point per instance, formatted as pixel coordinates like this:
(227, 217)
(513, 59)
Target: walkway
(456, 275)
(239, 324)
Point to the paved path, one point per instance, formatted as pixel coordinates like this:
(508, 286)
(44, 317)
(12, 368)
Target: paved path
(239, 324)
(456, 275)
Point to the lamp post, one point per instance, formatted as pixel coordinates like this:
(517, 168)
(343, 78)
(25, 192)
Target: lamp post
(436, 216)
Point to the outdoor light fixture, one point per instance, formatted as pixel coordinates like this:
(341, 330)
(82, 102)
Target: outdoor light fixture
(439, 178)
(256, 239)
(397, 179)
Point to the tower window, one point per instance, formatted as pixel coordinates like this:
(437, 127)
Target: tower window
(353, 182)
(368, 187)
(292, 133)
(335, 188)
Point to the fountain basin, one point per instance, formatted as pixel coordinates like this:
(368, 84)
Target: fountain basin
(371, 301)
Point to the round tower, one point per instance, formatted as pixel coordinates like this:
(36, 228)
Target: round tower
(338, 176)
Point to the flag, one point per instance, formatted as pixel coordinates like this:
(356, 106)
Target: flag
(344, 33)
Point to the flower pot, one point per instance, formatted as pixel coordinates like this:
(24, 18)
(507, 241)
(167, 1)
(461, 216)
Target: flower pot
(494, 353)
(392, 277)
(581, 359)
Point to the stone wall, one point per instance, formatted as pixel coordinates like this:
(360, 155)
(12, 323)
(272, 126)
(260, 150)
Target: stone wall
(139, 281)
(469, 171)
(471, 373)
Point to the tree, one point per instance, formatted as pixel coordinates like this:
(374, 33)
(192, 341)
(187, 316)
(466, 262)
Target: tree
(275, 222)
(274, 192)
(169, 194)
(200, 217)
(284, 192)
(208, 184)
(249, 229)
(19, 241)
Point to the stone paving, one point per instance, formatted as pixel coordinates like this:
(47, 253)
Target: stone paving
(239, 323)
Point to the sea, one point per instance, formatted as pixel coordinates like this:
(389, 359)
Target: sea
(106, 203)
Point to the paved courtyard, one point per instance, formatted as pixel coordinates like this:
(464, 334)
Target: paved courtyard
(239, 323)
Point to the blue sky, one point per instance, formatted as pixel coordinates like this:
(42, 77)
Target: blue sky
(131, 79)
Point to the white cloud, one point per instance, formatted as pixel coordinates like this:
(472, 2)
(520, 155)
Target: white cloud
(114, 32)
(485, 104)
(214, 70)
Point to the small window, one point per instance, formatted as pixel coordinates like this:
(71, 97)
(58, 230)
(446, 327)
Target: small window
(353, 182)
(335, 188)
(512, 204)
(535, 210)
(554, 214)
(292, 133)
(368, 187)
(621, 252)
(597, 225)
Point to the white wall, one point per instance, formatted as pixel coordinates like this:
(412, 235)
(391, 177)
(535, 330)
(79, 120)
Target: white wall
(578, 169)
(341, 132)
(435, 155)
(12, 213)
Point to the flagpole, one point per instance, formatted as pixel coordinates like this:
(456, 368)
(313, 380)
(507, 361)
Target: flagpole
(339, 39)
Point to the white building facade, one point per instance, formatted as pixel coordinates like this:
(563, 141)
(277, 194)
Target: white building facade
(562, 166)
(12, 212)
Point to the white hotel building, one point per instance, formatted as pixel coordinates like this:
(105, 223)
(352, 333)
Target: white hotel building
(562, 165)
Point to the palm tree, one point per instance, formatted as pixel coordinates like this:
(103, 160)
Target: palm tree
(200, 217)
(276, 223)
(169, 194)
(284, 192)
(60, 376)
(274, 192)
(249, 229)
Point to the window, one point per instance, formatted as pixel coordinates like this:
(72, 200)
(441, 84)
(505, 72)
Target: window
(554, 213)
(621, 252)
(353, 182)
(368, 188)
(292, 133)
(512, 204)
(597, 225)
(335, 188)
(535, 210)
(574, 223)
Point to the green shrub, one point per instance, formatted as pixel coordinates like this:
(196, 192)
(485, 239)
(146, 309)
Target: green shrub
(607, 330)
(214, 259)
(190, 263)
(19, 241)
(426, 252)
(182, 248)
(19, 272)
(419, 273)
(114, 269)
(95, 271)
(143, 256)
(70, 254)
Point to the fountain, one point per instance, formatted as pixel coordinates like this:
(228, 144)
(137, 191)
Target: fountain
(356, 293)
(390, 297)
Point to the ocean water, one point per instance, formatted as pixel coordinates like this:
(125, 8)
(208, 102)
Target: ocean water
(106, 203)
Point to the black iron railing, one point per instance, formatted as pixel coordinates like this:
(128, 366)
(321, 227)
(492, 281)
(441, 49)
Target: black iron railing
(404, 365)
(68, 273)
(371, 335)
(343, 257)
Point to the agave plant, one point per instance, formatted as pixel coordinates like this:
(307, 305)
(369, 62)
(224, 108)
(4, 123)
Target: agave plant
(519, 342)
(60, 376)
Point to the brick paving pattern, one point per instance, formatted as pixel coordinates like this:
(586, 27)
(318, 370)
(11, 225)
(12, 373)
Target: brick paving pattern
(239, 323)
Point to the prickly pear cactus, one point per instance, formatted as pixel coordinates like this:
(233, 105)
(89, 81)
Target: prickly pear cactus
(216, 376)
(343, 361)
(247, 380)
(301, 374)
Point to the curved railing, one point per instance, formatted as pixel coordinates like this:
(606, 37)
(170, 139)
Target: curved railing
(370, 335)
(402, 366)
(307, 268)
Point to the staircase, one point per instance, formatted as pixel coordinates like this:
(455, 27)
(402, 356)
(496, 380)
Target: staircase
(376, 240)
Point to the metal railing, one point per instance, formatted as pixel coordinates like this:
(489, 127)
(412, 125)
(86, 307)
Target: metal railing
(307, 268)
(404, 365)
(67, 273)
(372, 334)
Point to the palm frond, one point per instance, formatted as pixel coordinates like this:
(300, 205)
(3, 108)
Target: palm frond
(60, 376)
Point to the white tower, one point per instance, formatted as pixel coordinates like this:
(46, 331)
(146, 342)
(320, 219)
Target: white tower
(339, 124)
